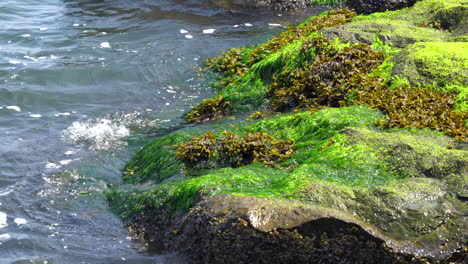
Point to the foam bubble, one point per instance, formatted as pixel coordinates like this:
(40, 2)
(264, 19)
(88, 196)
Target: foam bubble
(51, 165)
(62, 114)
(4, 237)
(20, 221)
(65, 162)
(14, 108)
(35, 115)
(30, 58)
(105, 45)
(209, 31)
(188, 36)
(248, 25)
(274, 25)
(235, 26)
(183, 31)
(76, 25)
(3, 220)
(26, 35)
(43, 29)
(69, 152)
(101, 134)
(14, 62)
(5, 192)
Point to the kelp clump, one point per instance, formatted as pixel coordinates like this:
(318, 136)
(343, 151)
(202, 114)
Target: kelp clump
(231, 150)
(237, 61)
(332, 79)
(417, 108)
(198, 151)
(209, 109)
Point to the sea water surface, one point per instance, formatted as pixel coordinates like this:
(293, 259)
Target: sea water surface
(81, 82)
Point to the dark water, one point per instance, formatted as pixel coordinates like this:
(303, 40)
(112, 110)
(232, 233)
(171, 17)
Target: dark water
(81, 82)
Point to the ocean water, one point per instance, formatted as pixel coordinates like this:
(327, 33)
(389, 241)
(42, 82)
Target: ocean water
(81, 84)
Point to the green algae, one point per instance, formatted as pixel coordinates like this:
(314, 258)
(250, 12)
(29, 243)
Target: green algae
(406, 26)
(325, 151)
(442, 66)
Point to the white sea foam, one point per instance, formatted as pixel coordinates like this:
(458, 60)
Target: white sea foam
(26, 35)
(105, 45)
(209, 31)
(274, 25)
(35, 115)
(188, 36)
(183, 31)
(65, 162)
(69, 152)
(51, 165)
(235, 26)
(43, 29)
(30, 58)
(14, 62)
(248, 25)
(5, 192)
(3, 220)
(107, 132)
(4, 237)
(76, 25)
(14, 108)
(62, 114)
(100, 134)
(20, 221)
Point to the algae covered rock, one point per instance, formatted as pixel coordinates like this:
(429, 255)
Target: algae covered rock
(426, 21)
(442, 65)
(397, 194)
(358, 188)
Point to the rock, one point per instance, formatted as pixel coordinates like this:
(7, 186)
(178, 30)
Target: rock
(426, 21)
(372, 6)
(433, 64)
(232, 229)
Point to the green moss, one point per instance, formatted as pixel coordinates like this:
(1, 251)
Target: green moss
(409, 25)
(440, 65)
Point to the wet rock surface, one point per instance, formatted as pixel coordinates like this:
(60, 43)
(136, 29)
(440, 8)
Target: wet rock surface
(371, 6)
(232, 229)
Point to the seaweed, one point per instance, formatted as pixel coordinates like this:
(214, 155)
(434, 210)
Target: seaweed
(332, 79)
(417, 108)
(209, 109)
(199, 151)
(207, 151)
(237, 61)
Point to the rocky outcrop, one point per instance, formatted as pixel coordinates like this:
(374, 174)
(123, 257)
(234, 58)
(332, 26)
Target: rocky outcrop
(353, 191)
(371, 6)
(233, 229)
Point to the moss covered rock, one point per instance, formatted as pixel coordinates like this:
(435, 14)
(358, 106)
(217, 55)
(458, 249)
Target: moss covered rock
(352, 192)
(395, 189)
(426, 21)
